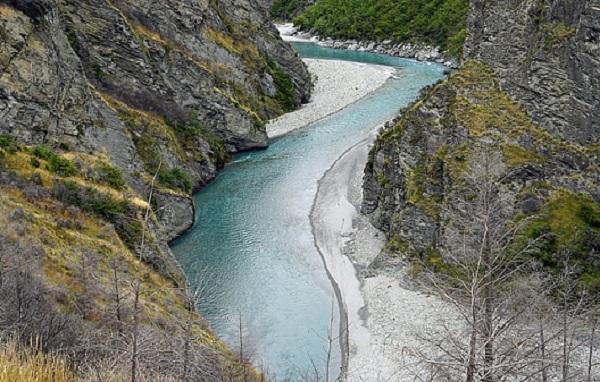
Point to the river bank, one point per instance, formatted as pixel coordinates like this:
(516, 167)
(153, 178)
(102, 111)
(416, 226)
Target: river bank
(419, 52)
(387, 320)
(381, 318)
(337, 84)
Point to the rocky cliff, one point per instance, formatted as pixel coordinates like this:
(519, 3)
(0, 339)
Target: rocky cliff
(158, 85)
(527, 96)
(111, 113)
(546, 54)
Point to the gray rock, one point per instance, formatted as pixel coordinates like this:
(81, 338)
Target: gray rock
(547, 54)
(531, 204)
(97, 62)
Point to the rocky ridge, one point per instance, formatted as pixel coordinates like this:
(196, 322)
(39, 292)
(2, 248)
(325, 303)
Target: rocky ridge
(111, 113)
(175, 85)
(524, 94)
(546, 54)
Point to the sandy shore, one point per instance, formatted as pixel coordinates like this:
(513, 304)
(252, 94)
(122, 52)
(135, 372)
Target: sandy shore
(338, 84)
(384, 320)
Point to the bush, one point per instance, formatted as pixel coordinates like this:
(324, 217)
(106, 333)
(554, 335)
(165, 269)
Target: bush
(589, 216)
(111, 176)
(34, 162)
(104, 206)
(284, 84)
(176, 179)
(44, 153)
(435, 22)
(61, 166)
(7, 142)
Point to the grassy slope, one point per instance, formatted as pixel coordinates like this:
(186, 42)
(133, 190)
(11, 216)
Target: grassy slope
(88, 267)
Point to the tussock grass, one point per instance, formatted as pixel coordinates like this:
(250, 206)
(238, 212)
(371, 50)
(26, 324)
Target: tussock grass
(28, 365)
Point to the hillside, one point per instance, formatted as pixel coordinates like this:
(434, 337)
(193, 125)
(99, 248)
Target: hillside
(487, 189)
(527, 89)
(112, 113)
(438, 23)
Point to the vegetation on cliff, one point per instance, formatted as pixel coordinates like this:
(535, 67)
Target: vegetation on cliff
(434, 22)
(502, 220)
(83, 276)
(131, 107)
(545, 177)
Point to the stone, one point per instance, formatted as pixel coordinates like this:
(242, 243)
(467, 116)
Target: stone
(153, 58)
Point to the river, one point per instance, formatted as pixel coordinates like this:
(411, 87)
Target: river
(252, 242)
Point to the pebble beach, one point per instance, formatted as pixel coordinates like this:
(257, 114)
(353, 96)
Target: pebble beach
(385, 319)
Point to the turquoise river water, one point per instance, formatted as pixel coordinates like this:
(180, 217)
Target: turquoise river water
(252, 237)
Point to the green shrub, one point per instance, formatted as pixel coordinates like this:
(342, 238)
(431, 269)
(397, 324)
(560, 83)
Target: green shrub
(286, 9)
(435, 22)
(189, 131)
(42, 152)
(284, 84)
(589, 216)
(110, 175)
(7, 142)
(34, 162)
(176, 179)
(61, 166)
(120, 213)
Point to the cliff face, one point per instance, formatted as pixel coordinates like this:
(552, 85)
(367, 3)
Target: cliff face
(158, 85)
(546, 53)
(111, 113)
(527, 96)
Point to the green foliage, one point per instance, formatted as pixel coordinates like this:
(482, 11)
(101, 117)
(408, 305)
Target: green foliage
(97, 70)
(7, 142)
(287, 9)
(176, 179)
(395, 245)
(589, 216)
(515, 155)
(187, 134)
(435, 22)
(285, 86)
(42, 152)
(61, 166)
(569, 223)
(56, 164)
(557, 33)
(73, 40)
(34, 162)
(102, 205)
(109, 175)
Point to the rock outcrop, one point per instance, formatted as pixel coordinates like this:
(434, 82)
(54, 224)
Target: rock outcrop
(527, 94)
(547, 55)
(111, 113)
(158, 85)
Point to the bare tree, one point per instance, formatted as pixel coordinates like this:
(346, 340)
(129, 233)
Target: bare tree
(516, 322)
(482, 277)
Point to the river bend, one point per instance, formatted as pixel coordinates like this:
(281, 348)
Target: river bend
(252, 239)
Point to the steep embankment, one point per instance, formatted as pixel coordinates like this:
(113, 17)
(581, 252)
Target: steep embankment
(528, 91)
(399, 24)
(154, 83)
(105, 105)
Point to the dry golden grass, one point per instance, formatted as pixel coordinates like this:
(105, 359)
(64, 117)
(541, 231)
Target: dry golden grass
(27, 365)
